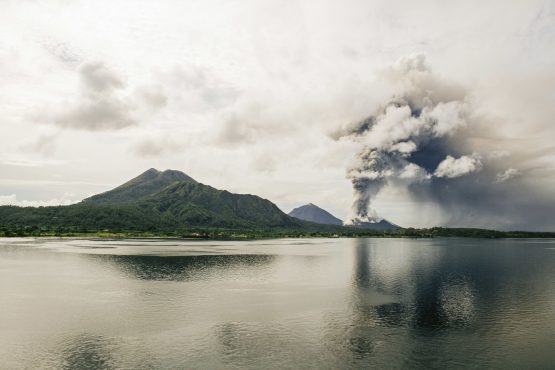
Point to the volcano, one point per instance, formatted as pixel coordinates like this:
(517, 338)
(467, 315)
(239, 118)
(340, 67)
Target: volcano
(382, 224)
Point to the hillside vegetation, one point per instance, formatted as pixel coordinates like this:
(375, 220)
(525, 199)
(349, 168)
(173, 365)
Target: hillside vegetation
(154, 201)
(170, 203)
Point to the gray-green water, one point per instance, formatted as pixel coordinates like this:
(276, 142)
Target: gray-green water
(311, 303)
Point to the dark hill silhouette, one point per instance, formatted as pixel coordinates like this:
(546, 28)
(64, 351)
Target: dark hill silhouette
(313, 213)
(383, 224)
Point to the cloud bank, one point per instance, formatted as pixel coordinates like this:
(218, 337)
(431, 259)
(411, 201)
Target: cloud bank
(104, 102)
(99, 105)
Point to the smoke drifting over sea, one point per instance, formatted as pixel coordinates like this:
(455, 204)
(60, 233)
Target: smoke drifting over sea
(426, 141)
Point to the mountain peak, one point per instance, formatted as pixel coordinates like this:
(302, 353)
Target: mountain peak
(148, 174)
(174, 174)
(147, 183)
(313, 213)
(152, 170)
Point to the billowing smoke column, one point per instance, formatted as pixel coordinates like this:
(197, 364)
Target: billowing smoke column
(407, 140)
(455, 158)
(368, 179)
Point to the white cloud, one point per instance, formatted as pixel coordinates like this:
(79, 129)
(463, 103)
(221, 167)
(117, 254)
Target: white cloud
(11, 200)
(507, 174)
(404, 147)
(155, 146)
(449, 117)
(414, 172)
(28, 162)
(454, 167)
(97, 78)
(100, 104)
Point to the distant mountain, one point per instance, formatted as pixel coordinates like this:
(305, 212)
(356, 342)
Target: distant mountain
(313, 213)
(378, 225)
(154, 201)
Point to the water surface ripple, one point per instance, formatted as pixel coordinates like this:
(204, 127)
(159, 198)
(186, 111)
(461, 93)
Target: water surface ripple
(278, 304)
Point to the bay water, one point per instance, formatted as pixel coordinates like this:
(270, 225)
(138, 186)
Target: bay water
(277, 304)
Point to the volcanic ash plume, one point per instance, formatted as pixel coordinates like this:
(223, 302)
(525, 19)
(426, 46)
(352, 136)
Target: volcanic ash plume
(368, 179)
(407, 139)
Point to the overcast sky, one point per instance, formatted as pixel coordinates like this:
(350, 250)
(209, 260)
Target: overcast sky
(247, 95)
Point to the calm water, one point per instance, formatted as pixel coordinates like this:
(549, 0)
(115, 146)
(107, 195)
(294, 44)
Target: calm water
(310, 303)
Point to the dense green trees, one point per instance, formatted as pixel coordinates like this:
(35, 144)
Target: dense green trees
(171, 203)
(179, 205)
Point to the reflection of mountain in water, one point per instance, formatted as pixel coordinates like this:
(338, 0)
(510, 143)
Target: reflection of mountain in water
(182, 268)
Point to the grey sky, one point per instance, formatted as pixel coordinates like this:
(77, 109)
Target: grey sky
(246, 96)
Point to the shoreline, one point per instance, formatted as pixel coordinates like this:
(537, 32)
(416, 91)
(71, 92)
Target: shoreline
(260, 234)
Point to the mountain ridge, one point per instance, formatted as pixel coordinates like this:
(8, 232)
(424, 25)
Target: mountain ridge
(191, 209)
(156, 200)
(162, 202)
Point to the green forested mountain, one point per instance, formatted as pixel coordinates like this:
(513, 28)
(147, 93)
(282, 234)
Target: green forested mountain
(170, 203)
(146, 184)
(154, 201)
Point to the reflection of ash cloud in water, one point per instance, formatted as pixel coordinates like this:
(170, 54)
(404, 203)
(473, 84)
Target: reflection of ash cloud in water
(354, 338)
(87, 352)
(385, 275)
(389, 269)
(426, 298)
(393, 314)
(183, 268)
(254, 345)
(456, 299)
(398, 293)
(350, 341)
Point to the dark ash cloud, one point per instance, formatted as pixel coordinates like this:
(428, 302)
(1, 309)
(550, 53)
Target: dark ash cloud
(428, 140)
